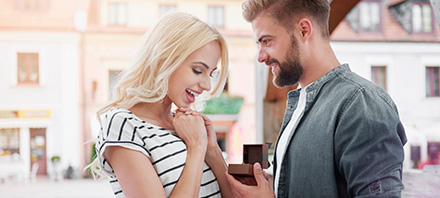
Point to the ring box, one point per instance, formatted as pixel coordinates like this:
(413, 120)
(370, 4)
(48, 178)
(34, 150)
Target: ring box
(251, 153)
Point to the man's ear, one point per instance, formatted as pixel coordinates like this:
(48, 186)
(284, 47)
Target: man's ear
(306, 29)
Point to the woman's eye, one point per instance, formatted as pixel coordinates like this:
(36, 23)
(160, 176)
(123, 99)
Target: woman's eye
(197, 71)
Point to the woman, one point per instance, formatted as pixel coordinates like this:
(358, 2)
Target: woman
(145, 149)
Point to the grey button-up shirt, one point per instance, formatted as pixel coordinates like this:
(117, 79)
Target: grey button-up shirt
(349, 142)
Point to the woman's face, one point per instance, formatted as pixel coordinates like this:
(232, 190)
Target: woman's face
(193, 76)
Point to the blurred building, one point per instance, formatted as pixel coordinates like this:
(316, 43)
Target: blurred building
(40, 114)
(396, 44)
(60, 59)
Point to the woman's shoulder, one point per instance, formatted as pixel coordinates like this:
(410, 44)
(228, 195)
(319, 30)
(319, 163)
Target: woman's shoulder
(126, 117)
(119, 115)
(120, 112)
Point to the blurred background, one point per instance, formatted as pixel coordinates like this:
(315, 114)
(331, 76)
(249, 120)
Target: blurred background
(59, 60)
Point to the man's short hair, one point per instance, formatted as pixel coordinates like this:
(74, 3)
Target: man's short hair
(287, 12)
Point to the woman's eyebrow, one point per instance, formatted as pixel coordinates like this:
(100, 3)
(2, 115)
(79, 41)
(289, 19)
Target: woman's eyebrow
(202, 63)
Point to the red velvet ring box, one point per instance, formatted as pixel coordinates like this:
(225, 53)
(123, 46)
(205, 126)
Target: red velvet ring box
(251, 153)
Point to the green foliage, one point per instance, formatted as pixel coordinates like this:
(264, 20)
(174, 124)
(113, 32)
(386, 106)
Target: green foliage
(224, 104)
(55, 158)
(93, 155)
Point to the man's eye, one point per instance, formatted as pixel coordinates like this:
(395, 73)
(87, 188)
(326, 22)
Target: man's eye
(266, 42)
(197, 71)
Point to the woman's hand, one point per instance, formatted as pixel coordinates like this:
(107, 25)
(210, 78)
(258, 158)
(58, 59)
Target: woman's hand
(191, 129)
(210, 132)
(213, 156)
(212, 137)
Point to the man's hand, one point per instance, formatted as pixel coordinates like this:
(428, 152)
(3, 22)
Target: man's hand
(262, 189)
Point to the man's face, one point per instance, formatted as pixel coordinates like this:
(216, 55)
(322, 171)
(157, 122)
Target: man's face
(278, 50)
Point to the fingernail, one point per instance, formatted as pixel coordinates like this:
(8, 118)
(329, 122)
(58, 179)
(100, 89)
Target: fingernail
(258, 165)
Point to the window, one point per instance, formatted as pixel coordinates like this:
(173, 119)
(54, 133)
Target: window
(216, 16)
(369, 16)
(415, 153)
(165, 9)
(422, 17)
(117, 14)
(379, 76)
(432, 81)
(32, 5)
(113, 77)
(28, 68)
(433, 151)
(365, 17)
(9, 141)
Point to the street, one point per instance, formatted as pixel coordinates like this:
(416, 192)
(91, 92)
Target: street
(418, 184)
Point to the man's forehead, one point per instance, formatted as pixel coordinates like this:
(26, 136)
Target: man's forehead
(265, 26)
(261, 26)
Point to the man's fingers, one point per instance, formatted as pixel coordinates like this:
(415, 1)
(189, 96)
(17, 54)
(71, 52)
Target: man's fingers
(232, 181)
(258, 174)
(266, 176)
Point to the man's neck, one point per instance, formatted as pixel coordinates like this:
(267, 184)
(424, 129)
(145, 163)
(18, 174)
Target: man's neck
(320, 62)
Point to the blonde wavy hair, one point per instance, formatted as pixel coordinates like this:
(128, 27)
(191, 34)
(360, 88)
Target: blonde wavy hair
(163, 49)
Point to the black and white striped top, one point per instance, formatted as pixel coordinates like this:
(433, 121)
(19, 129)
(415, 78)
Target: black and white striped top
(166, 151)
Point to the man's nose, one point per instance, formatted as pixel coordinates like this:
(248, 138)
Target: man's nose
(262, 56)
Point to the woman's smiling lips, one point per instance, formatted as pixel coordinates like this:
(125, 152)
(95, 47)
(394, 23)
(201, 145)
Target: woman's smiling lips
(191, 95)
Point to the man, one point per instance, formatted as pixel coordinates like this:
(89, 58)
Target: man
(341, 135)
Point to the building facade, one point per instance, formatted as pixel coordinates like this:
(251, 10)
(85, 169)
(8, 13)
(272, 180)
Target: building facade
(396, 44)
(60, 59)
(39, 110)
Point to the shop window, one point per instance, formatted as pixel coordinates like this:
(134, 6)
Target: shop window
(38, 149)
(433, 81)
(28, 68)
(216, 16)
(9, 141)
(415, 155)
(117, 13)
(434, 150)
(422, 21)
(165, 9)
(379, 76)
(365, 17)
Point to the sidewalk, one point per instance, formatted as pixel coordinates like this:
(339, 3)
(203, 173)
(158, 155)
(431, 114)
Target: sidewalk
(418, 184)
(422, 183)
(45, 188)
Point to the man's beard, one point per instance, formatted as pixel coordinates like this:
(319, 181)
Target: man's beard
(291, 70)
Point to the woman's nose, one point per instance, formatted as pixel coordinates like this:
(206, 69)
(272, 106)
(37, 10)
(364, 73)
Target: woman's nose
(206, 83)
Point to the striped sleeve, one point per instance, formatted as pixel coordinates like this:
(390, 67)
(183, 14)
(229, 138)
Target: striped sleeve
(119, 129)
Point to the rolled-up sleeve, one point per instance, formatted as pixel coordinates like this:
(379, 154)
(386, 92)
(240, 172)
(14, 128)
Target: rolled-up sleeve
(369, 146)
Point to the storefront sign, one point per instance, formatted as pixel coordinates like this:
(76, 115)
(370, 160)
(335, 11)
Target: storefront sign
(44, 113)
(8, 114)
